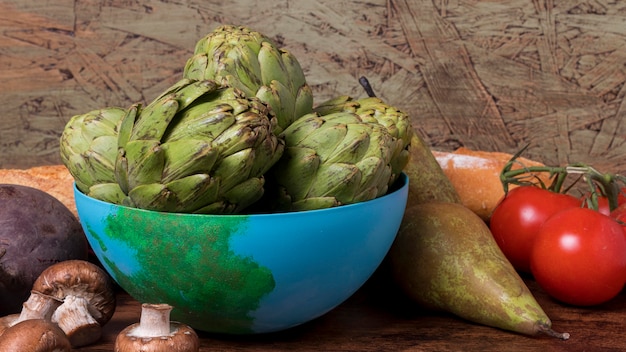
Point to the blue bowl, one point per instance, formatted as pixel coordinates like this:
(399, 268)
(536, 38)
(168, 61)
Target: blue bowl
(243, 274)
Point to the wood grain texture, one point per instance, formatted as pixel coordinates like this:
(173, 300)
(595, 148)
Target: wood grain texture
(376, 319)
(491, 75)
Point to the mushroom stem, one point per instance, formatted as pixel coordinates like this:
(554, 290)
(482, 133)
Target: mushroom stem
(156, 333)
(154, 320)
(88, 298)
(38, 306)
(74, 319)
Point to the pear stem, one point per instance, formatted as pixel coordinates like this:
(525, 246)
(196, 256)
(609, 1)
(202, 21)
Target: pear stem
(548, 331)
(365, 83)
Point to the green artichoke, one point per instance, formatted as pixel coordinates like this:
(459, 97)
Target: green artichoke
(200, 147)
(251, 62)
(331, 160)
(88, 148)
(375, 110)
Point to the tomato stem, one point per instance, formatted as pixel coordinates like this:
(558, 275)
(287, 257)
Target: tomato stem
(599, 184)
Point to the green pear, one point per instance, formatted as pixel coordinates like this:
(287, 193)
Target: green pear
(445, 258)
(427, 181)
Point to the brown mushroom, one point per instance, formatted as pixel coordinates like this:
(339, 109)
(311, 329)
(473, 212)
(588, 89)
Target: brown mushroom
(156, 333)
(88, 298)
(34, 335)
(7, 321)
(37, 306)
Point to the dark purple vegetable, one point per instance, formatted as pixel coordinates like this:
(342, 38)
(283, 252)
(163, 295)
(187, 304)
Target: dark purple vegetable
(36, 231)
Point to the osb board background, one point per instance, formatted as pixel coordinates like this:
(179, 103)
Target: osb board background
(491, 74)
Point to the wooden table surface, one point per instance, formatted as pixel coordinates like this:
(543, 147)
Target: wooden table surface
(376, 318)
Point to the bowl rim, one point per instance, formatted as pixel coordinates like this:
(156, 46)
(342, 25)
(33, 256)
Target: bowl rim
(399, 185)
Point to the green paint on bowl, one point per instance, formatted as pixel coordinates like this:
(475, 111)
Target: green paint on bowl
(195, 265)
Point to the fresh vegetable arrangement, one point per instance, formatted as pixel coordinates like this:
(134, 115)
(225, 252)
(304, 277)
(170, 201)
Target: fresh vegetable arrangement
(571, 240)
(237, 129)
(240, 133)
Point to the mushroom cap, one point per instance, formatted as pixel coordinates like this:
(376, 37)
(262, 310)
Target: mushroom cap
(80, 278)
(34, 335)
(182, 338)
(7, 321)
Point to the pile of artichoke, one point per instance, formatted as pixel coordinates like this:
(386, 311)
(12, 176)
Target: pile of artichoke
(238, 132)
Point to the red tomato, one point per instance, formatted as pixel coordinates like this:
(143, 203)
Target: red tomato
(619, 214)
(603, 205)
(579, 257)
(603, 202)
(516, 220)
